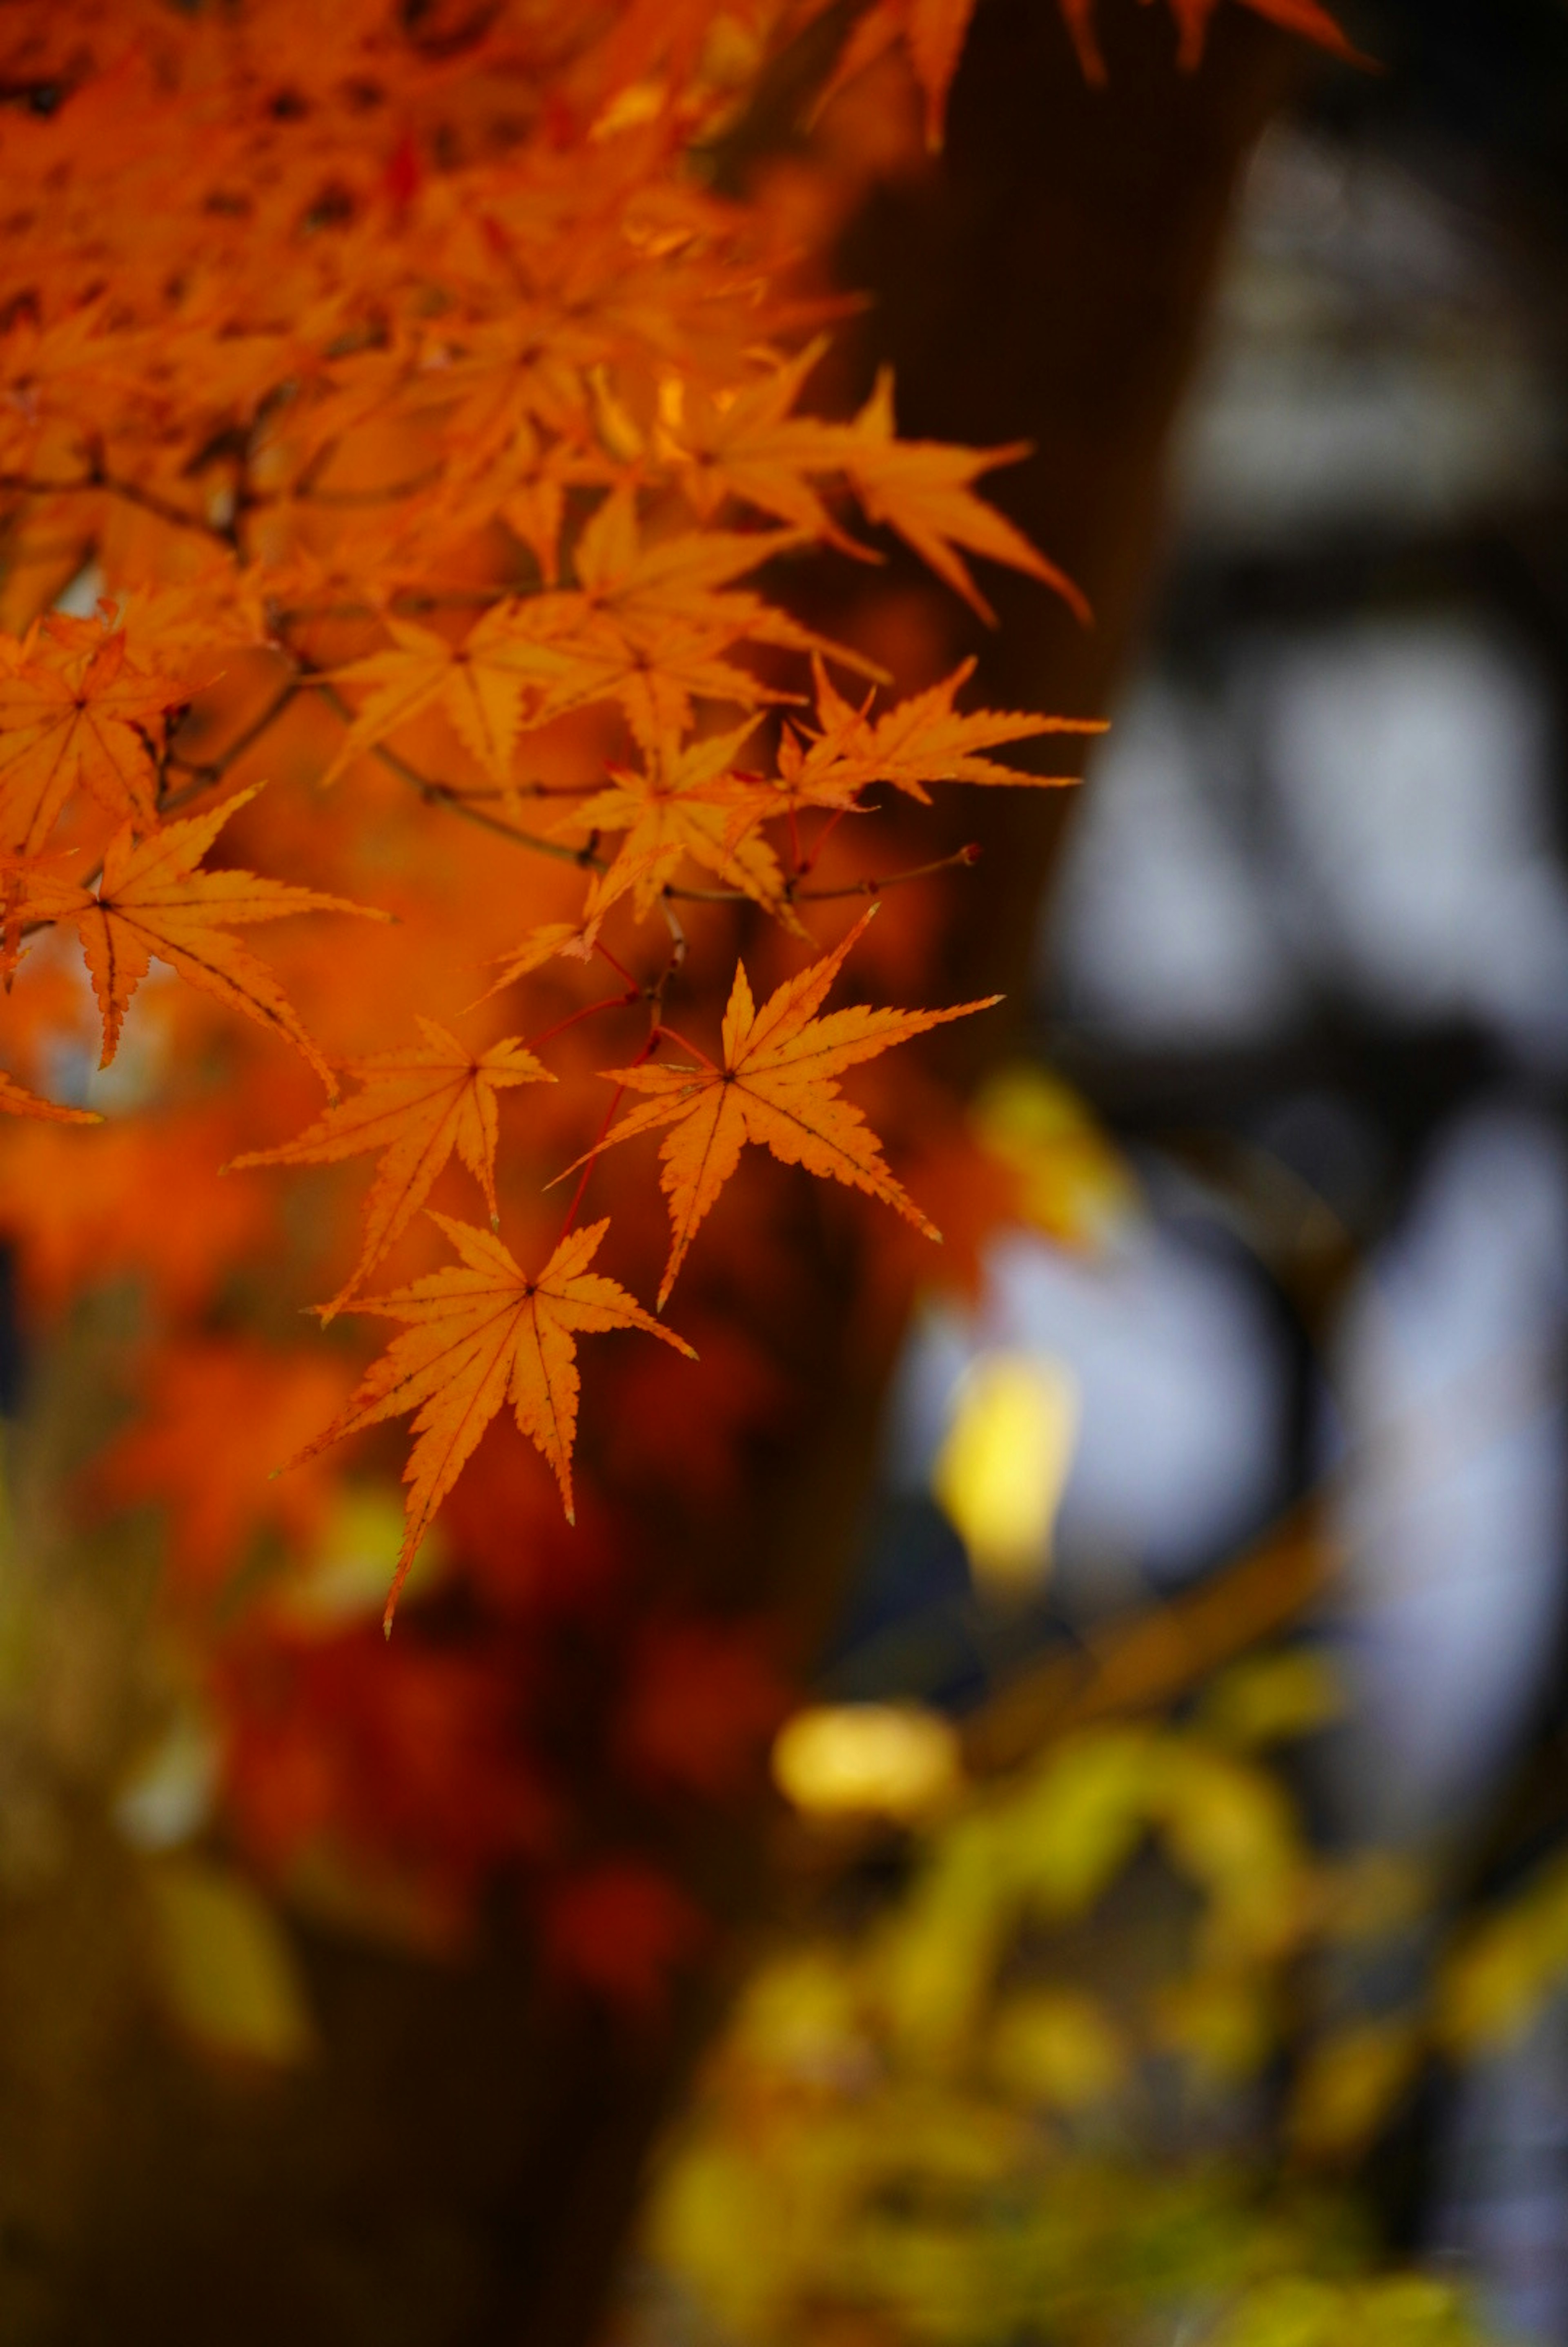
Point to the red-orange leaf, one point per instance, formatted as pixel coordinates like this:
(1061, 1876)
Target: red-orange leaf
(416, 1106)
(152, 900)
(934, 30)
(479, 689)
(777, 1086)
(480, 1333)
(1304, 16)
(73, 715)
(922, 489)
(934, 33)
(680, 806)
(541, 945)
(17, 1101)
(917, 740)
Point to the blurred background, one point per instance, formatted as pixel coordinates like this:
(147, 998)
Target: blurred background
(1150, 1929)
(1179, 1869)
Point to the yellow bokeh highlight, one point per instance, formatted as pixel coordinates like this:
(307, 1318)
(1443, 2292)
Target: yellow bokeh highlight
(867, 1759)
(1001, 1472)
(1073, 1183)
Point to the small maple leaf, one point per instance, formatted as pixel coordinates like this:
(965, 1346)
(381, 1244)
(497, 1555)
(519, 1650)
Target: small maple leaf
(934, 33)
(923, 739)
(650, 625)
(416, 1106)
(1304, 16)
(151, 900)
(681, 807)
(752, 446)
(482, 1332)
(74, 715)
(17, 1100)
(476, 683)
(541, 945)
(777, 1085)
(922, 489)
(920, 740)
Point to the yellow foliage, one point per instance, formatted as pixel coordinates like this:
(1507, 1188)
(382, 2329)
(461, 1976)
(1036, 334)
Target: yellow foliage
(1372, 1893)
(935, 2130)
(223, 1965)
(1082, 1817)
(867, 1759)
(1349, 2082)
(1058, 2047)
(1075, 1185)
(939, 1958)
(1497, 1980)
(1222, 2023)
(1003, 1468)
(1395, 2310)
(1270, 1699)
(1229, 1828)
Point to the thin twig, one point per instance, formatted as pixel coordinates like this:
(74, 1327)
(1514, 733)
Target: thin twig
(206, 771)
(591, 1160)
(870, 887)
(969, 853)
(447, 794)
(610, 1002)
(97, 484)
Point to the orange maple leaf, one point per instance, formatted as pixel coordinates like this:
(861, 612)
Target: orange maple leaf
(482, 1332)
(777, 1086)
(752, 446)
(17, 1100)
(1304, 16)
(920, 740)
(649, 624)
(934, 31)
(416, 1106)
(922, 489)
(74, 715)
(541, 945)
(681, 807)
(151, 900)
(476, 683)
(925, 738)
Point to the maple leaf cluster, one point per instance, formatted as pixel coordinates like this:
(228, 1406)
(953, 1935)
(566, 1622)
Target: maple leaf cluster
(933, 32)
(408, 466)
(527, 427)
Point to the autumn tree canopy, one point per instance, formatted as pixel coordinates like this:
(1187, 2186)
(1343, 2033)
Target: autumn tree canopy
(436, 505)
(435, 444)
